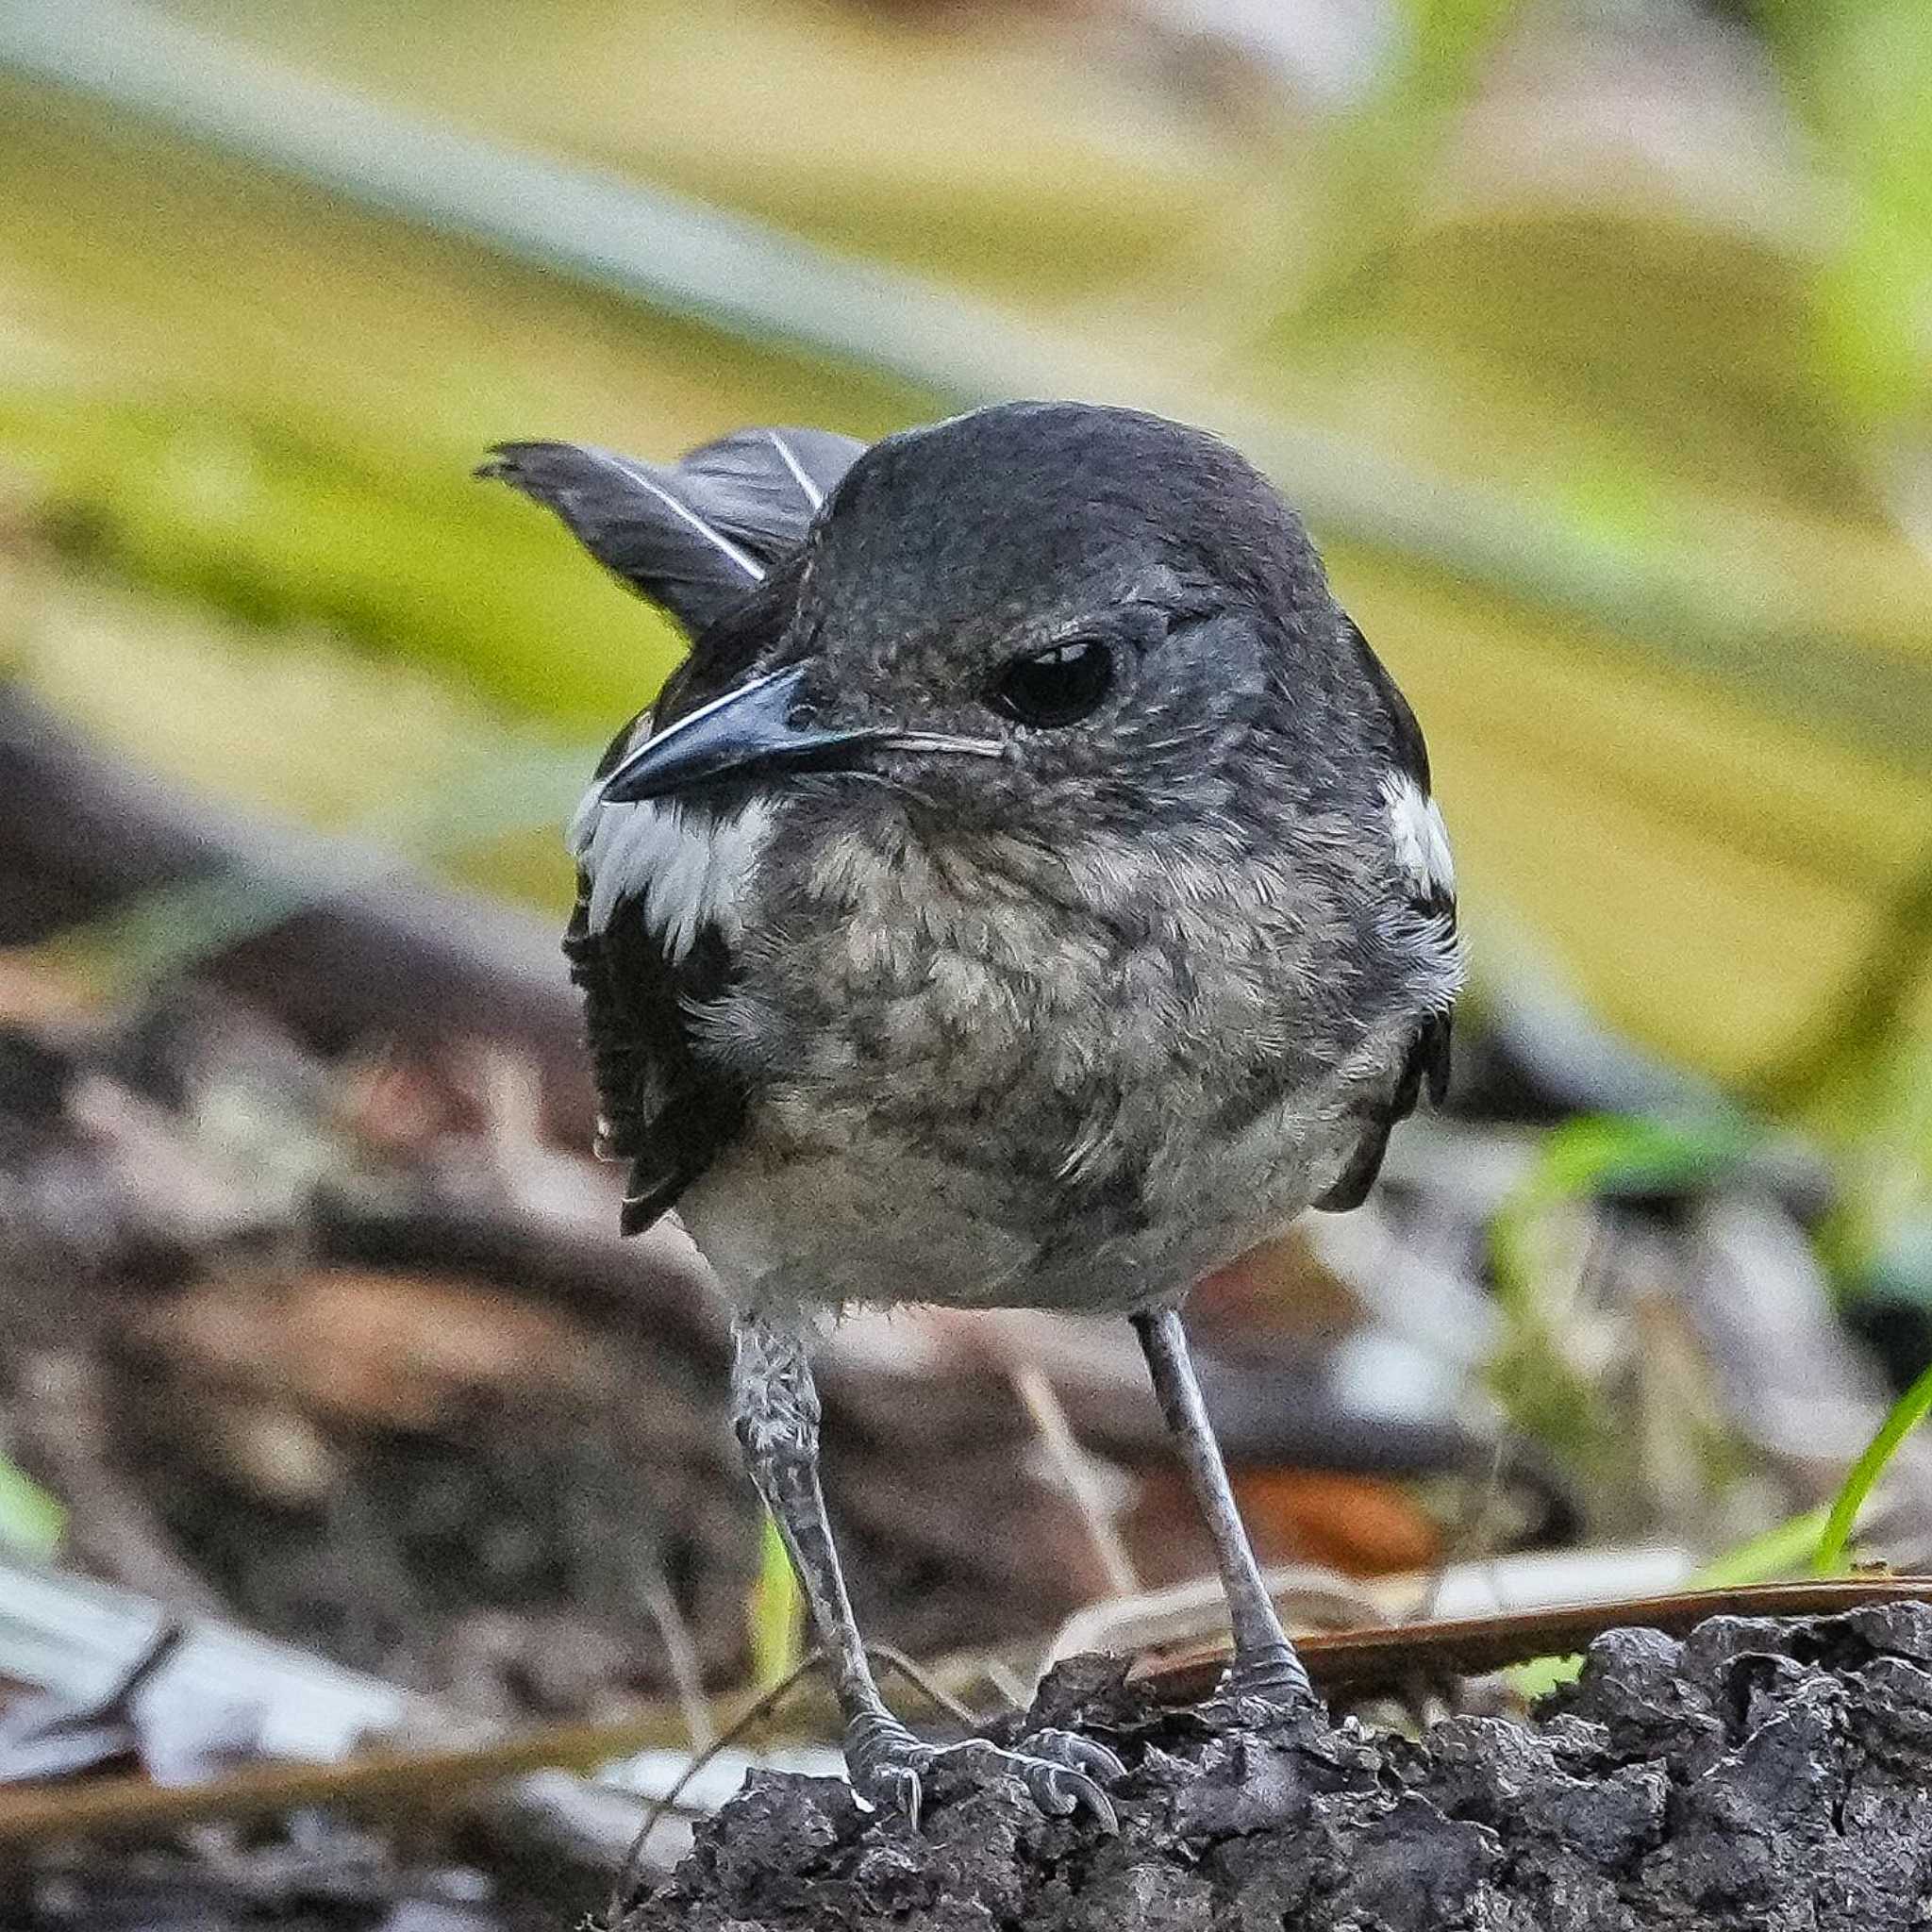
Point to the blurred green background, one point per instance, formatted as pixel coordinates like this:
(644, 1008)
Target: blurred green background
(1594, 336)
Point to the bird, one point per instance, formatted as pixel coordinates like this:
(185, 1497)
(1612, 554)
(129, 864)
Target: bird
(1027, 892)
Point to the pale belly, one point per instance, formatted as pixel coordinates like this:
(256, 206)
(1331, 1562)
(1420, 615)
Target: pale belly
(876, 1224)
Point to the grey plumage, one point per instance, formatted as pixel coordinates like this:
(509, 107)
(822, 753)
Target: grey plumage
(1068, 1021)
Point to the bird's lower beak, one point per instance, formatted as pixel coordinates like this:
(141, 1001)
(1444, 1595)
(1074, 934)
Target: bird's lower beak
(748, 733)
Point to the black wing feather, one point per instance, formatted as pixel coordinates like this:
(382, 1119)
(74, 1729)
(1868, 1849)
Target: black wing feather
(668, 1110)
(1426, 1066)
(663, 1110)
(713, 540)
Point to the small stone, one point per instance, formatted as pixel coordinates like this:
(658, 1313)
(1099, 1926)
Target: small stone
(1717, 1643)
(1082, 1691)
(1261, 1786)
(1413, 1870)
(1146, 1898)
(1902, 1629)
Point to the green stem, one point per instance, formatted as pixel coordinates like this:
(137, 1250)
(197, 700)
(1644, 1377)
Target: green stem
(1906, 1415)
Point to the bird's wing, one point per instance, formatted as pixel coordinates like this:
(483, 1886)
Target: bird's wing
(1427, 873)
(694, 536)
(714, 540)
(1428, 1062)
(664, 1109)
(653, 937)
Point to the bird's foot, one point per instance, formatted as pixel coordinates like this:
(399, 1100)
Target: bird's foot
(1261, 1687)
(1060, 1769)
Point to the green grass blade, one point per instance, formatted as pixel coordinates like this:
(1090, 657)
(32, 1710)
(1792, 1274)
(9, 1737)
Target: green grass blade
(1784, 1550)
(1534, 1375)
(1858, 71)
(1906, 1413)
(682, 256)
(774, 1616)
(1609, 1154)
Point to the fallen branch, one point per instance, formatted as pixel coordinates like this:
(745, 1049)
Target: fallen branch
(1388, 1662)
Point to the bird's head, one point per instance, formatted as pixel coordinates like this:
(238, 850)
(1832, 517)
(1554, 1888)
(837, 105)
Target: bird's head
(1042, 618)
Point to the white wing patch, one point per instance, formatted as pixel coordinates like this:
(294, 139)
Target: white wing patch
(1421, 839)
(683, 870)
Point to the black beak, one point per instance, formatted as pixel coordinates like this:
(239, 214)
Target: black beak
(747, 733)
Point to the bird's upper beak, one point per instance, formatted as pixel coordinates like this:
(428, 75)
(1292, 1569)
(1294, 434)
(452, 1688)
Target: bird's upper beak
(748, 732)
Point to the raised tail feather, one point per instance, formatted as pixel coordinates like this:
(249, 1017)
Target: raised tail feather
(693, 535)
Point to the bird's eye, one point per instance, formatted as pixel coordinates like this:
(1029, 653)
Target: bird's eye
(1058, 685)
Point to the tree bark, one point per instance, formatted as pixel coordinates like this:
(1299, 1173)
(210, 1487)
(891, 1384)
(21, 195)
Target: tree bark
(1768, 1773)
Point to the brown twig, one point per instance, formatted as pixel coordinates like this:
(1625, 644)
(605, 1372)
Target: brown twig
(133, 1807)
(1076, 1471)
(1360, 1663)
(760, 1708)
(934, 1692)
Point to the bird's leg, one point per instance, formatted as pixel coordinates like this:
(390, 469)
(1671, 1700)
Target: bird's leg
(776, 1407)
(1265, 1665)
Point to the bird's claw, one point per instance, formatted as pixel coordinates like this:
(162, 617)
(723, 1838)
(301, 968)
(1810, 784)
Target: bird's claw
(1061, 1769)
(1265, 1686)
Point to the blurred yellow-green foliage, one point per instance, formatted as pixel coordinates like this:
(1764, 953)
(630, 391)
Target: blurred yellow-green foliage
(1597, 339)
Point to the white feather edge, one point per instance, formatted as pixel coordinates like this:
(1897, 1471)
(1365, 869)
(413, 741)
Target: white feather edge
(1419, 835)
(678, 507)
(807, 488)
